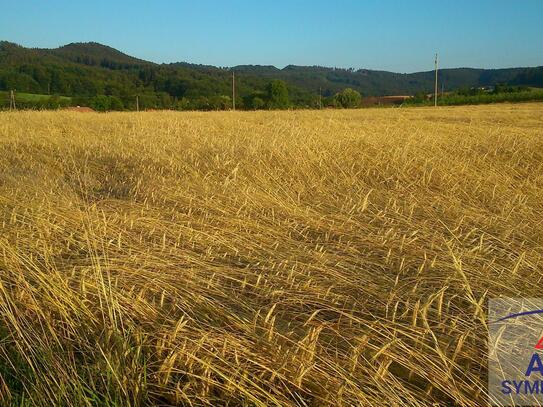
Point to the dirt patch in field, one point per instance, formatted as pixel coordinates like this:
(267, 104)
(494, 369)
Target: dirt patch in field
(82, 109)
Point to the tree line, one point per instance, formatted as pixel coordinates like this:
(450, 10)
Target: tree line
(104, 79)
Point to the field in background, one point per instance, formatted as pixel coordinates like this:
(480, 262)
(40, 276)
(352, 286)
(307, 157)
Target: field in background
(452, 99)
(29, 97)
(34, 101)
(262, 258)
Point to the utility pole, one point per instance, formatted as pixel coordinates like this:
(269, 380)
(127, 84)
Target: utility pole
(233, 91)
(435, 90)
(320, 97)
(137, 103)
(12, 105)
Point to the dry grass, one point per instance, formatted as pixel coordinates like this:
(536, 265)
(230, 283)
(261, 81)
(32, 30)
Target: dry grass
(329, 258)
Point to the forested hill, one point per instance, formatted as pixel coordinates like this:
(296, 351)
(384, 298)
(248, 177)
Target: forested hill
(86, 70)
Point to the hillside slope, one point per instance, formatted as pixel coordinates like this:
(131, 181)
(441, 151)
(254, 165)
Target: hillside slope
(90, 69)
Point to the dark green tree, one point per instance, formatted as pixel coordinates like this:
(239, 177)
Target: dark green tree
(182, 104)
(347, 99)
(100, 103)
(220, 102)
(258, 103)
(277, 95)
(115, 103)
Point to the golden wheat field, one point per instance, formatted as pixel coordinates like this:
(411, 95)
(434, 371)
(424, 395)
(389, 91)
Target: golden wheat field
(302, 258)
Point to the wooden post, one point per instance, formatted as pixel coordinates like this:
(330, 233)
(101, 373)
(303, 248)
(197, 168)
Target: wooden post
(435, 90)
(233, 91)
(12, 105)
(137, 103)
(320, 98)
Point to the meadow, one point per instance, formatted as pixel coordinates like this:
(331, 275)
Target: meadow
(33, 101)
(455, 99)
(297, 258)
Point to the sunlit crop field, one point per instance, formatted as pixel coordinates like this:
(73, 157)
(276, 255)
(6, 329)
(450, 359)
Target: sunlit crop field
(303, 258)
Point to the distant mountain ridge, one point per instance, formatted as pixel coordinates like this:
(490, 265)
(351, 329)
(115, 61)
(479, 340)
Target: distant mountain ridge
(88, 69)
(94, 53)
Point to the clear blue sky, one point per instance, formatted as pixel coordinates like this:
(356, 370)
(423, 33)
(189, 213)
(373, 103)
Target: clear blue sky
(400, 35)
